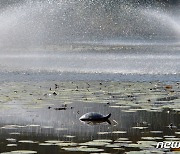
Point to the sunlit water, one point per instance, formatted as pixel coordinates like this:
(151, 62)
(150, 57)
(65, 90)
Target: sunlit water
(146, 59)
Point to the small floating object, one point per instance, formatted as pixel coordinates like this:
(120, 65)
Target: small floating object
(171, 126)
(93, 116)
(54, 93)
(60, 108)
(168, 87)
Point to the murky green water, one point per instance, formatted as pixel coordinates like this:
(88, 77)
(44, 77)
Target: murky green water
(43, 117)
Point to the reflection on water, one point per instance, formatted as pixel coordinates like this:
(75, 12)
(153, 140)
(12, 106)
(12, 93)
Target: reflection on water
(44, 117)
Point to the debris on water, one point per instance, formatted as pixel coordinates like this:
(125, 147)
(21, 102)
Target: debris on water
(56, 86)
(168, 98)
(49, 107)
(171, 126)
(168, 87)
(60, 108)
(54, 93)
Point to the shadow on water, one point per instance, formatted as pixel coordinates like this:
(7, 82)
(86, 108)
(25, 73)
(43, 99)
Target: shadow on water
(45, 118)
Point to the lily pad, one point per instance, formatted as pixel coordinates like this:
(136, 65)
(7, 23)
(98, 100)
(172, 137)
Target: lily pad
(26, 141)
(172, 139)
(66, 144)
(61, 129)
(140, 128)
(47, 127)
(33, 125)
(83, 149)
(103, 140)
(54, 141)
(69, 136)
(156, 132)
(119, 132)
(94, 143)
(11, 139)
(146, 144)
(151, 138)
(11, 145)
(102, 133)
(122, 139)
(46, 144)
(23, 152)
(15, 133)
(114, 145)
